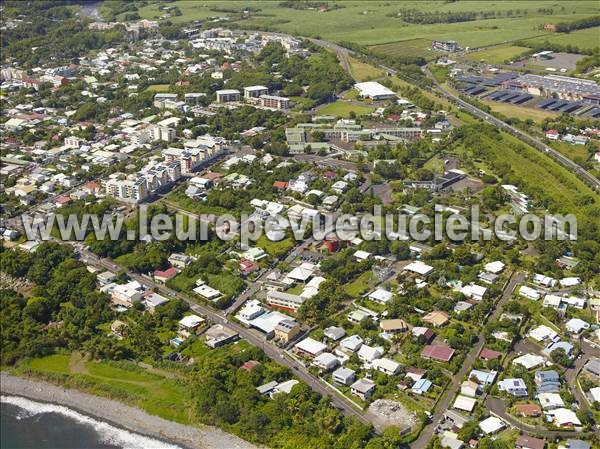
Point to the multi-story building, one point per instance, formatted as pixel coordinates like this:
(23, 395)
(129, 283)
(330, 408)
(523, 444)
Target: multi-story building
(227, 95)
(193, 98)
(449, 46)
(163, 133)
(128, 190)
(284, 300)
(274, 102)
(161, 98)
(255, 91)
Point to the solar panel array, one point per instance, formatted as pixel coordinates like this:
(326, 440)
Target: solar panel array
(510, 96)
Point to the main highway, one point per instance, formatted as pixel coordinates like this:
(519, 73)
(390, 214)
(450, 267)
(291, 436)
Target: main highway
(439, 90)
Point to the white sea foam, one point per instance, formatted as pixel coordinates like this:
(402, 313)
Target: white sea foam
(107, 433)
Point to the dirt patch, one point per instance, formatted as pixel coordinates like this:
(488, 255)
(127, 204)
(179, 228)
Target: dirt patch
(77, 364)
(385, 413)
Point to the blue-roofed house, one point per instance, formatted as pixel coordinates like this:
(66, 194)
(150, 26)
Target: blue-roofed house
(483, 377)
(547, 381)
(421, 386)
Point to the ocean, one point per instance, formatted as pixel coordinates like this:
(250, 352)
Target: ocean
(27, 424)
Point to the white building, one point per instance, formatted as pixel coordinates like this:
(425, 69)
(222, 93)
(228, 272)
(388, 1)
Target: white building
(374, 91)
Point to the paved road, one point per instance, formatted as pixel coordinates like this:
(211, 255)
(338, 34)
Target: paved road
(445, 402)
(275, 353)
(343, 54)
(528, 139)
(498, 407)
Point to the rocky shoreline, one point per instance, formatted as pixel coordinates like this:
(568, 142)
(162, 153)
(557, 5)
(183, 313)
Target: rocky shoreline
(121, 415)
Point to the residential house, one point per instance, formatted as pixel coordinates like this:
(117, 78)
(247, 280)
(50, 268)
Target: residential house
(528, 410)
(162, 276)
(334, 333)
(286, 330)
(326, 361)
(550, 401)
(387, 366)
(219, 335)
(343, 376)
(514, 387)
(393, 326)
(527, 442)
(421, 386)
(438, 353)
(547, 381)
(436, 318)
(310, 347)
(363, 388)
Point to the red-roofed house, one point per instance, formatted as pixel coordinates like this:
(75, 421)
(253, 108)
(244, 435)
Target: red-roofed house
(247, 266)
(527, 442)
(488, 354)
(552, 134)
(91, 187)
(61, 200)
(164, 275)
(329, 175)
(528, 410)
(282, 185)
(249, 365)
(437, 352)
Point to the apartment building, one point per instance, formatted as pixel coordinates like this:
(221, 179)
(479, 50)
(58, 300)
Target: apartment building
(227, 95)
(162, 133)
(285, 301)
(127, 190)
(274, 102)
(255, 91)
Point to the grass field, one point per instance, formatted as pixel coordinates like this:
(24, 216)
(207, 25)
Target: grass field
(361, 71)
(343, 109)
(157, 88)
(539, 174)
(360, 285)
(498, 55)
(573, 152)
(126, 382)
(411, 47)
(521, 112)
(371, 23)
(583, 39)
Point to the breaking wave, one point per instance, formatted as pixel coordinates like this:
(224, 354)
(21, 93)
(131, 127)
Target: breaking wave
(107, 433)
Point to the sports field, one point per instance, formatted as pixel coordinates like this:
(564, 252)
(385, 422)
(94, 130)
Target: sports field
(158, 88)
(499, 54)
(371, 23)
(343, 109)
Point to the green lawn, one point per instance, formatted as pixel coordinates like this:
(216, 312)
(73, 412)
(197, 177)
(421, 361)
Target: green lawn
(499, 54)
(573, 152)
(360, 285)
(57, 363)
(127, 382)
(275, 249)
(343, 109)
(157, 88)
